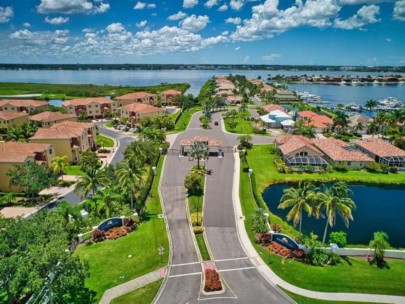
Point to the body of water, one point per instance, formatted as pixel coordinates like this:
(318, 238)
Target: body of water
(196, 78)
(378, 209)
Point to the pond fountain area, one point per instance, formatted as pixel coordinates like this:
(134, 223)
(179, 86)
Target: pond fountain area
(379, 208)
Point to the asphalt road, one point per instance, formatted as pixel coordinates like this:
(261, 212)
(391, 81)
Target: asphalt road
(243, 283)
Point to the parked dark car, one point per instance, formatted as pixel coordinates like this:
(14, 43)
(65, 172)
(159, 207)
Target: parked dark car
(216, 123)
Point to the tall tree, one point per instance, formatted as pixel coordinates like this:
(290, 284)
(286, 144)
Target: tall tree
(90, 182)
(371, 104)
(130, 178)
(299, 200)
(198, 151)
(335, 201)
(59, 164)
(340, 120)
(106, 200)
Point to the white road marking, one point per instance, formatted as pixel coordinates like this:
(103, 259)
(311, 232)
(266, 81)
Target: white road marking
(184, 264)
(234, 259)
(236, 269)
(184, 275)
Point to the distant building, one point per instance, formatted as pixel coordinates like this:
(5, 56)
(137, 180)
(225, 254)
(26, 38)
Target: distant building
(69, 138)
(339, 152)
(355, 120)
(9, 119)
(47, 119)
(136, 111)
(94, 107)
(320, 122)
(274, 119)
(383, 152)
(29, 106)
(231, 99)
(168, 96)
(136, 97)
(285, 96)
(15, 153)
(274, 107)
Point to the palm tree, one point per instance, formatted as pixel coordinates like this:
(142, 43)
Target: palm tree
(14, 133)
(28, 130)
(372, 127)
(82, 115)
(379, 243)
(259, 221)
(59, 164)
(135, 152)
(333, 201)
(358, 127)
(198, 151)
(130, 178)
(106, 200)
(298, 199)
(340, 120)
(91, 180)
(371, 104)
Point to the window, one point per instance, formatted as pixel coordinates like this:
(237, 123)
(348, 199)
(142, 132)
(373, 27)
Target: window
(302, 153)
(96, 106)
(71, 108)
(89, 106)
(90, 112)
(349, 163)
(13, 108)
(97, 111)
(50, 151)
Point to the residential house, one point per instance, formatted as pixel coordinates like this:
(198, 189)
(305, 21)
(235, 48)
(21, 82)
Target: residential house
(9, 119)
(168, 96)
(339, 152)
(136, 111)
(231, 99)
(359, 120)
(383, 152)
(285, 96)
(24, 105)
(274, 107)
(297, 150)
(47, 119)
(275, 119)
(94, 107)
(136, 97)
(14, 153)
(69, 138)
(320, 122)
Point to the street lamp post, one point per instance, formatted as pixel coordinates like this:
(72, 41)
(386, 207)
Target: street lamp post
(161, 251)
(160, 150)
(154, 170)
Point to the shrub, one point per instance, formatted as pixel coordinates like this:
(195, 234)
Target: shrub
(103, 151)
(384, 168)
(276, 228)
(318, 257)
(339, 238)
(341, 168)
(98, 236)
(373, 167)
(334, 259)
(212, 280)
(193, 217)
(394, 169)
(194, 182)
(198, 229)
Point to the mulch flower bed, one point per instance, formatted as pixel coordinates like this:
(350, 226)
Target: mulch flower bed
(212, 281)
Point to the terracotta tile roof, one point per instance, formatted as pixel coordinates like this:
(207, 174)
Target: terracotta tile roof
(58, 132)
(290, 143)
(141, 108)
(234, 99)
(86, 101)
(172, 92)
(307, 114)
(136, 95)
(267, 88)
(273, 107)
(380, 147)
(12, 115)
(211, 142)
(355, 119)
(48, 116)
(320, 121)
(75, 124)
(23, 103)
(338, 150)
(18, 152)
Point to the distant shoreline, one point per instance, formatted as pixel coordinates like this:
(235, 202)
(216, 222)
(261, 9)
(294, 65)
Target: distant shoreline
(348, 69)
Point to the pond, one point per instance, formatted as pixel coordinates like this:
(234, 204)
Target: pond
(379, 208)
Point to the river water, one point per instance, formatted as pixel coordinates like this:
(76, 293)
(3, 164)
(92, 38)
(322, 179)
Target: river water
(196, 78)
(378, 209)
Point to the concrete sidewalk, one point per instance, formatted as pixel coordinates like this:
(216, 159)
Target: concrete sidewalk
(132, 285)
(273, 279)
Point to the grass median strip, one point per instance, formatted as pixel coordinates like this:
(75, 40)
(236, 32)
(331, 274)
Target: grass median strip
(116, 262)
(104, 141)
(353, 275)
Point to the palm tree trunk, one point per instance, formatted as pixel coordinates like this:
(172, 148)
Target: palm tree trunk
(326, 230)
(198, 163)
(300, 223)
(132, 200)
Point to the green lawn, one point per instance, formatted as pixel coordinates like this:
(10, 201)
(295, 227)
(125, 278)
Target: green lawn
(303, 300)
(104, 141)
(74, 170)
(244, 126)
(203, 247)
(355, 275)
(184, 119)
(109, 261)
(144, 295)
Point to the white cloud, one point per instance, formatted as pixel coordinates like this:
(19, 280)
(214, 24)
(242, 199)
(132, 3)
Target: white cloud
(139, 6)
(44, 38)
(21, 34)
(223, 8)
(237, 48)
(399, 10)
(72, 6)
(115, 28)
(211, 3)
(6, 13)
(178, 16)
(236, 4)
(365, 15)
(271, 57)
(236, 20)
(355, 2)
(56, 20)
(151, 5)
(27, 24)
(142, 23)
(189, 3)
(195, 23)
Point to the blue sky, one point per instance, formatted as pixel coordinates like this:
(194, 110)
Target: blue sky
(330, 32)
